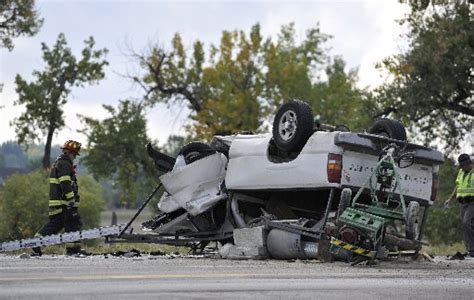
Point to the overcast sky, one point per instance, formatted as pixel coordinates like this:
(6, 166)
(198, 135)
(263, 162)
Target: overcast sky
(364, 32)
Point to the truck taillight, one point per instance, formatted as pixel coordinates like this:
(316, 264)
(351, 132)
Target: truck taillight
(334, 167)
(434, 186)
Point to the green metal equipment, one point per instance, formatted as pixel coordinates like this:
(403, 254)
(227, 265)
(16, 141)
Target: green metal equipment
(361, 223)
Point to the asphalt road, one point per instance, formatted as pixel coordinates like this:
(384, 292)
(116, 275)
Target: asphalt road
(53, 277)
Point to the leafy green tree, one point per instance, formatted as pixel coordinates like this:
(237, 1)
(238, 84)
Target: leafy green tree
(17, 17)
(432, 82)
(174, 144)
(339, 101)
(2, 161)
(92, 201)
(116, 150)
(241, 82)
(45, 97)
(291, 66)
(217, 94)
(35, 154)
(14, 156)
(24, 211)
(231, 86)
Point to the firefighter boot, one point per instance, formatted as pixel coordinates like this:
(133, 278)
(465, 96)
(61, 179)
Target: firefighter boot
(76, 251)
(36, 252)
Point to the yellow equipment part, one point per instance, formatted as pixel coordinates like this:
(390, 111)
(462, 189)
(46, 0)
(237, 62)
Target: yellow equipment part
(355, 249)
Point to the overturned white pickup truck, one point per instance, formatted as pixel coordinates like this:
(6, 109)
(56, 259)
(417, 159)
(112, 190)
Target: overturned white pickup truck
(297, 172)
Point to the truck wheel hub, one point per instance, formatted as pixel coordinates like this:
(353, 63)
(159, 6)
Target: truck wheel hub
(287, 125)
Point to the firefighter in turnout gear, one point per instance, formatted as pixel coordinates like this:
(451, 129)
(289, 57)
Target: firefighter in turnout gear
(63, 198)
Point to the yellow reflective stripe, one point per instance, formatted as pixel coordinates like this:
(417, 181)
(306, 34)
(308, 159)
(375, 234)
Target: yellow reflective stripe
(60, 179)
(53, 180)
(70, 195)
(74, 203)
(464, 184)
(355, 249)
(64, 178)
(55, 212)
(57, 202)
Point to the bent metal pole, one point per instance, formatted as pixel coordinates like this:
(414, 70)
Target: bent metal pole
(141, 208)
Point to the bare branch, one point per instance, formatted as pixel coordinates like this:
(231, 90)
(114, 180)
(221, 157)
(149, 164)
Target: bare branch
(454, 104)
(459, 108)
(160, 86)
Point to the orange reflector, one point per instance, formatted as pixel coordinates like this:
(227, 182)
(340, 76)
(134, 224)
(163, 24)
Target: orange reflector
(334, 167)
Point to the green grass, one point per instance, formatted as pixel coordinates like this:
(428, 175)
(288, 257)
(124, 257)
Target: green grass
(444, 250)
(124, 216)
(98, 246)
(143, 248)
(103, 248)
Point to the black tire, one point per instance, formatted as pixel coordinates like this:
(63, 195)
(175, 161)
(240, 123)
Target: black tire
(344, 201)
(389, 128)
(195, 151)
(293, 125)
(412, 219)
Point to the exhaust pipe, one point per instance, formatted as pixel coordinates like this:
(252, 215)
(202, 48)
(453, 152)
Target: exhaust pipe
(239, 221)
(287, 245)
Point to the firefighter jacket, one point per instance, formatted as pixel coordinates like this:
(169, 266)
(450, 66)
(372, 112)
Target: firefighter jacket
(465, 184)
(63, 189)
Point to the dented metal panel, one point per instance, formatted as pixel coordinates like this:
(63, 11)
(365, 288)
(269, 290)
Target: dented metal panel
(197, 187)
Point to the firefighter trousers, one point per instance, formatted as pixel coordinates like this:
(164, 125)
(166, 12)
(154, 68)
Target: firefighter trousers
(67, 219)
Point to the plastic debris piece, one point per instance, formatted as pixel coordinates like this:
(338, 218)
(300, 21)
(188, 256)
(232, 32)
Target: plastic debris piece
(24, 255)
(457, 256)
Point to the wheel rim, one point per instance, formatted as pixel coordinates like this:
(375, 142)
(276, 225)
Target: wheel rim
(288, 125)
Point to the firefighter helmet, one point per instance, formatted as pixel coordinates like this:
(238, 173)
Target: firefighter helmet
(72, 146)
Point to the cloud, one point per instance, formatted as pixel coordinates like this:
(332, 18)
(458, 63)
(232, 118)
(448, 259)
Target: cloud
(363, 33)
(7, 112)
(384, 40)
(164, 121)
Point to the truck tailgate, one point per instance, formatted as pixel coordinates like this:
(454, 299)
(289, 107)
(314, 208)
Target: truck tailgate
(362, 151)
(416, 181)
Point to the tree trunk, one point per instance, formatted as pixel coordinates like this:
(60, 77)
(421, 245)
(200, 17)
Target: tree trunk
(47, 149)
